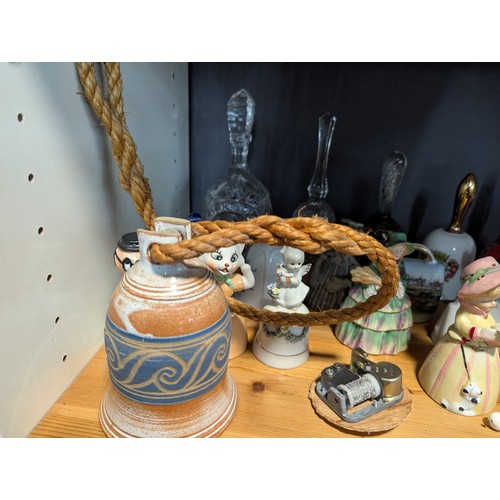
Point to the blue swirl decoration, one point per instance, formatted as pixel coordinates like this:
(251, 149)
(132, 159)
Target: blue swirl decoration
(167, 370)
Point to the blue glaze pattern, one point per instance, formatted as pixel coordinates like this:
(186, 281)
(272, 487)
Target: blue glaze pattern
(167, 370)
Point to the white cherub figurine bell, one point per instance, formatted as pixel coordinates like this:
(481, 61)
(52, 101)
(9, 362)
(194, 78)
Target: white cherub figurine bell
(233, 275)
(289, 291)
(285, 346)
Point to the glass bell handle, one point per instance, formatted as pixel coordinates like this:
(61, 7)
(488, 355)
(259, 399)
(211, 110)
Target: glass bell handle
(393, 170)
(318, 187)
(466, 192)
(240, 118)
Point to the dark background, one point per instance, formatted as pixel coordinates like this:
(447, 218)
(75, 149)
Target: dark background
(444, 116)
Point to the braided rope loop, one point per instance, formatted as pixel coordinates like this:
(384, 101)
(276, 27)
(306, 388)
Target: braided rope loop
(111, 114)
(312, 235)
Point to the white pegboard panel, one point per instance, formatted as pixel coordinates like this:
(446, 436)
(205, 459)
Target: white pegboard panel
(156, 101)
(62, 212)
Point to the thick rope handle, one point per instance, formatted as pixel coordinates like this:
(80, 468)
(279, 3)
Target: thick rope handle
(312, 235)
(111, 114)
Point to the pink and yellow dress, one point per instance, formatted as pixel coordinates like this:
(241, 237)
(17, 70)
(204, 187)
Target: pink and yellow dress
(456, 363)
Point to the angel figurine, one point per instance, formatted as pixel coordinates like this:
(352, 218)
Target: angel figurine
(387, 330)
(462, 371)
(289, 291)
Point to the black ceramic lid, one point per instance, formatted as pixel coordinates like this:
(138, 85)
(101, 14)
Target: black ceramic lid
(129, 242)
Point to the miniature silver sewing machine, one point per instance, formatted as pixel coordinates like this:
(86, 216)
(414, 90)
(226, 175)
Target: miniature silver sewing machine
(342, 388)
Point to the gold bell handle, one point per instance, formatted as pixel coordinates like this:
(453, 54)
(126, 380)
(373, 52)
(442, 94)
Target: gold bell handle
(466, 193)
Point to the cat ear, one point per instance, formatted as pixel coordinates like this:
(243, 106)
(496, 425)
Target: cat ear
(239, 247)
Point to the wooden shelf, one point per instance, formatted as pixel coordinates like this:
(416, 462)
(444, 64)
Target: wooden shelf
(274, 402)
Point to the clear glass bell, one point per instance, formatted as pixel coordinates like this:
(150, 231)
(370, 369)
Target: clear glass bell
(317, 189)
(239, 195)
(329, 278)
(393, 170)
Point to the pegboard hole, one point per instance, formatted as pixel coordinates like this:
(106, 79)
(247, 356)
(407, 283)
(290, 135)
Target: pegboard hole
(40, 230)
(20, 117)
(65, 357)
(49, 278)
(56, 321)
(31, 178)
(173, 76)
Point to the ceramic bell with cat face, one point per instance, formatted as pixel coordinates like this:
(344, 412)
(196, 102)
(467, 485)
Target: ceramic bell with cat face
(233, 275)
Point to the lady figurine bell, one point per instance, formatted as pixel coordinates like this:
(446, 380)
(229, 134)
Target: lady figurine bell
(462, 371)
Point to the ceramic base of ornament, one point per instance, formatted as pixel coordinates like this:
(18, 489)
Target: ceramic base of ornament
(382, 421)
(283, 347)
(239, 336)
(208, 416)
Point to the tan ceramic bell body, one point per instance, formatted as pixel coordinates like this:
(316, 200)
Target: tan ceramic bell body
(167, 342)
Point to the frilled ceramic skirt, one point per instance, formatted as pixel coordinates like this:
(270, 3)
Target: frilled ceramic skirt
(443, 376)
(386, 331)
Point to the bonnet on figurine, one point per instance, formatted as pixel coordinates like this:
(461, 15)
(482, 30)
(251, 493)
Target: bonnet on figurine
(478, 278)
(399, 238)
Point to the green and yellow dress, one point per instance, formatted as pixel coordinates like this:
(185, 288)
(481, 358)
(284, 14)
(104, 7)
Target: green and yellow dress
(387, 331)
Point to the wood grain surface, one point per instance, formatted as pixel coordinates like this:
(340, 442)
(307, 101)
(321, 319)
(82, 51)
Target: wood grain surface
(275, 403)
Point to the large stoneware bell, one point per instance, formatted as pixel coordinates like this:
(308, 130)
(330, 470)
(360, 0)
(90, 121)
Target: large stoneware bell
(167, 342)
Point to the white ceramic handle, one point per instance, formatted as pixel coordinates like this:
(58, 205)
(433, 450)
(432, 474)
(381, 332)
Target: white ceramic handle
(426, 250)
